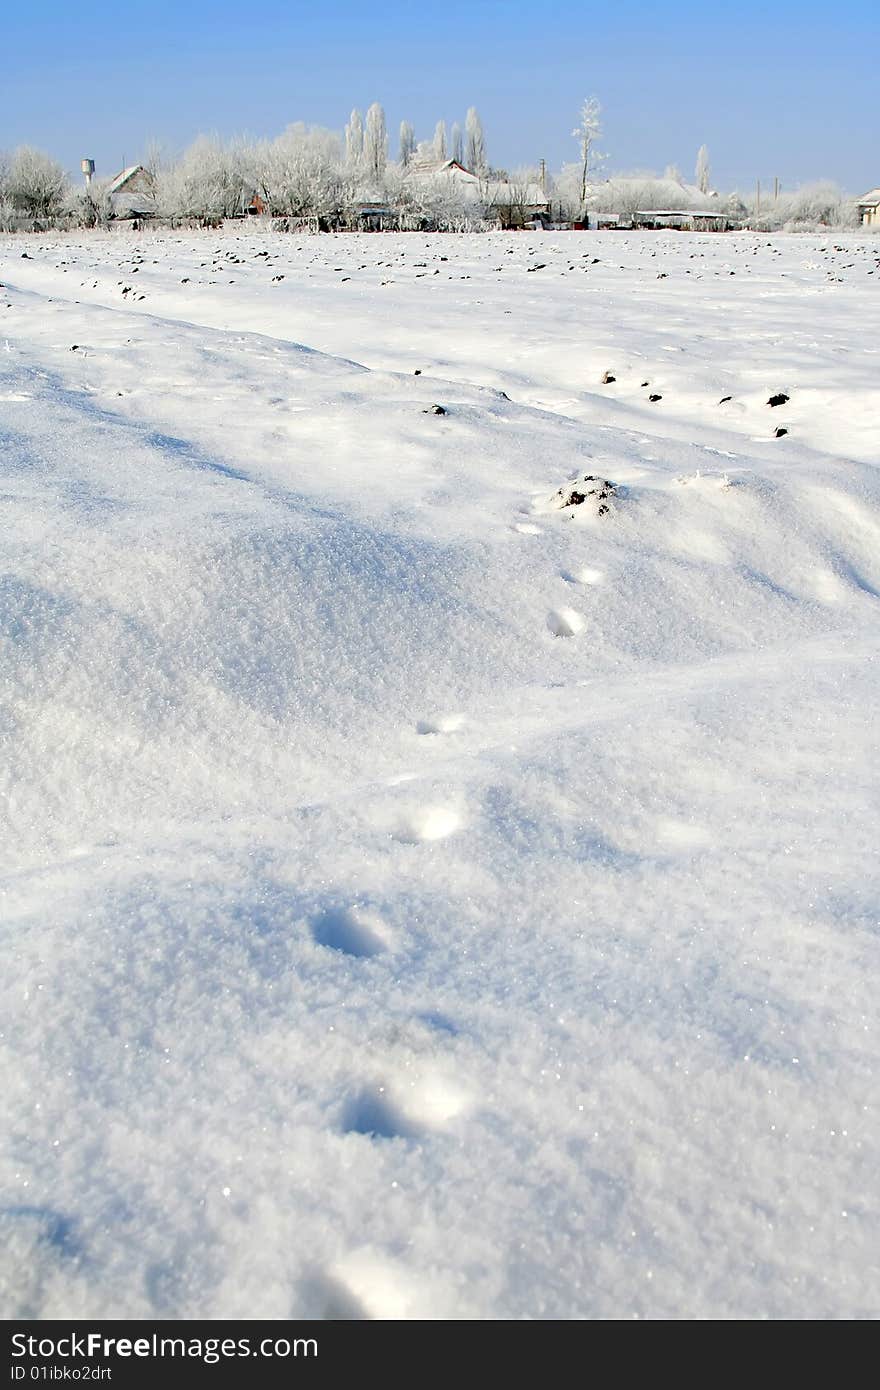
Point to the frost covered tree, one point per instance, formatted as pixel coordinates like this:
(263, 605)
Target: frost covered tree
(587, 132)
(475, 143)
(638, 192)
(567, 192)
(7, 211)
(516, 195)
(810, 207)
(703, 173)
(208, 182)
(375, 141)
(456, 145)
(354, 138)
(440, 140)
(438, 202)
(301, 173)
(88, 207)
(35, 183)
(154, 158)
(407, 143)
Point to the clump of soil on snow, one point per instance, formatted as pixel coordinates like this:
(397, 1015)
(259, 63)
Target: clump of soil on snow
(599, 490)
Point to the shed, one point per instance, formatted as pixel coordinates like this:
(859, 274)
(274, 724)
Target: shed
(869, 208)
(372, 215)
(682, 220)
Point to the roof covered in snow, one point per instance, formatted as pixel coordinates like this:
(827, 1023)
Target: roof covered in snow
(674, 193)
(125, 177)
(421, 169)
(870, 200)
(494, 192)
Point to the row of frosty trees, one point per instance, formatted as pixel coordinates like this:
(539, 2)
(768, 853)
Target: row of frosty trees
(311, 172)
(306, 172)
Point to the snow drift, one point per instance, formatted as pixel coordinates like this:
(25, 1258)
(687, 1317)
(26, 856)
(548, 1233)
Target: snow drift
(422, 898)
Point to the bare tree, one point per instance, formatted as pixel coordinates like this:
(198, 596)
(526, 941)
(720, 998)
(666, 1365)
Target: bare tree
(518, 195)
(354, 138)
(475, 143)
(440, 140)
(375, 141)
(154, 158)
(703, 173)
(587, 132)
(407, 143)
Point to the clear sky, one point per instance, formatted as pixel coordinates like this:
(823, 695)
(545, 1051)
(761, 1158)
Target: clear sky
(787, 89)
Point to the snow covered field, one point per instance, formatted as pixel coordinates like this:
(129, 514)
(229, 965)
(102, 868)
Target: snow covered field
(420, 898)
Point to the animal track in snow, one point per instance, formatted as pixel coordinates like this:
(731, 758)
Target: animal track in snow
(366, 1285)
(446, 724)
(327, 1299)
(565, 622)
(374, 1113)
(525, 528)
(429, 823)
(352, 931)
(432, 1099)
(407, 1108)
(585, 575)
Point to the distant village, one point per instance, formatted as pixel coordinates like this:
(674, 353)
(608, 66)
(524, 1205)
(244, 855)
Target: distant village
(442, 194)
(310, 179)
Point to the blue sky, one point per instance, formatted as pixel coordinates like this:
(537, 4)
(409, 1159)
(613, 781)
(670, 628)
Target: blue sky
(785, 89)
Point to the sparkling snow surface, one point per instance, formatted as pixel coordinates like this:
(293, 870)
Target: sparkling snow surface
(421, 899)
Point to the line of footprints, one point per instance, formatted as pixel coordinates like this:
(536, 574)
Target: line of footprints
(427, 1102)
(366, 1284)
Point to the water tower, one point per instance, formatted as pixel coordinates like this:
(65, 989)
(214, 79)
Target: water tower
(88, 168)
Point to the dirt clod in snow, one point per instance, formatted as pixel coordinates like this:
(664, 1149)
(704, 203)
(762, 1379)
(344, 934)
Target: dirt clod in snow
(574, 495)
(779, 399)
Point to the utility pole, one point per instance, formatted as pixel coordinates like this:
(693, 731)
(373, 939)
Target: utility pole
(544, 176)
(758, 194)
(776, 190)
